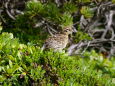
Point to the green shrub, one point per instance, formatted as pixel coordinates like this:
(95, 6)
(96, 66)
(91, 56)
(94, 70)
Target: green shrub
(51, 12)
(26, 65)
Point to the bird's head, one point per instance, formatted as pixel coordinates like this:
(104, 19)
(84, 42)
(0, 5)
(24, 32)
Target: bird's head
(67, 30)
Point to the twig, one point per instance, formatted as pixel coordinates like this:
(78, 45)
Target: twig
(86, 47)
(7, 11)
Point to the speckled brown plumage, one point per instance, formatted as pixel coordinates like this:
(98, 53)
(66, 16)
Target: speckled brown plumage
(58, 41)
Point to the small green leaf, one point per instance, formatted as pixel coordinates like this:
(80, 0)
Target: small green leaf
(86, 11)
(10, 63)
(2, 78)
(11, 57)
(9, 71)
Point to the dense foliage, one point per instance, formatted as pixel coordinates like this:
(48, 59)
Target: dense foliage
(22, 63)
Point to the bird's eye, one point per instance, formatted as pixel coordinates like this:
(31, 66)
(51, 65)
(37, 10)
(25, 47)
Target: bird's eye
(66, 30)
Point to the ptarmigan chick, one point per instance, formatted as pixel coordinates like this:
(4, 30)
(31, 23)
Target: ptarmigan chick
(59, 41)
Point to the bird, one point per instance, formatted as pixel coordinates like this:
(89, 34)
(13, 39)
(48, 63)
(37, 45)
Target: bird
(58, 41)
